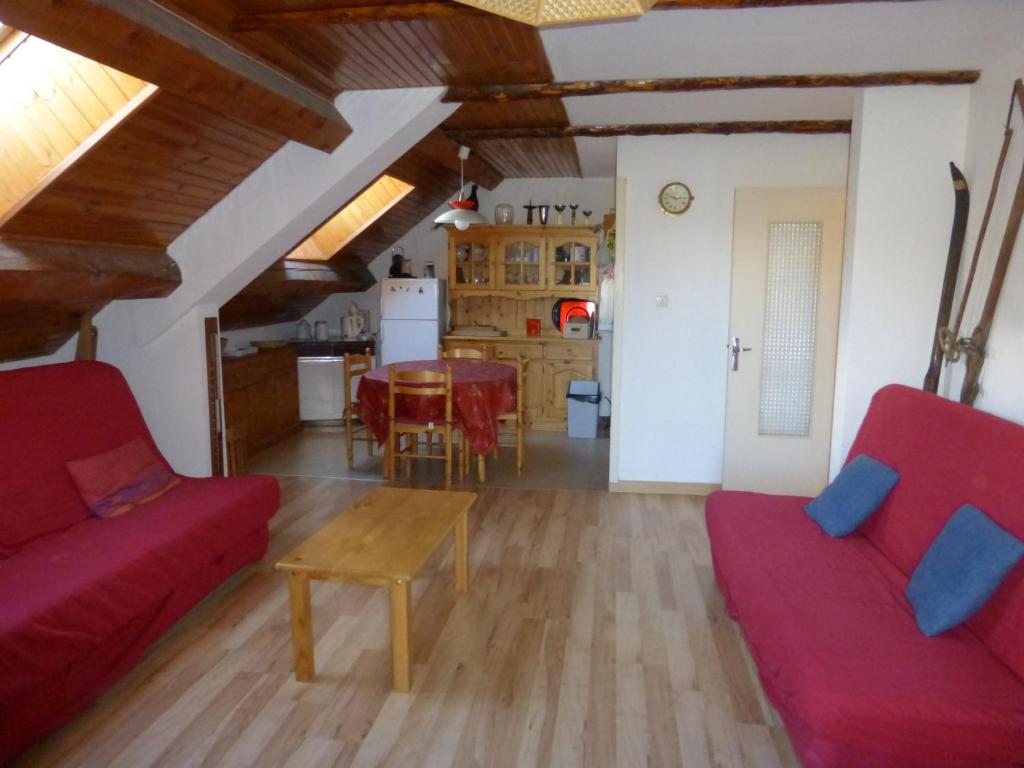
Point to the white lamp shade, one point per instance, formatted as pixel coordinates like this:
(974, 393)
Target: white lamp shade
(461, 218)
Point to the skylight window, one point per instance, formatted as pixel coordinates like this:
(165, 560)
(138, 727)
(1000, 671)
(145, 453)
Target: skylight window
(342, 228)
(52, 102)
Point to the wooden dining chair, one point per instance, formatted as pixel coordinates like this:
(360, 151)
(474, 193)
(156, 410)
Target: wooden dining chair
(355, 366)
(419, 384)
(483, 352)
(516, 418)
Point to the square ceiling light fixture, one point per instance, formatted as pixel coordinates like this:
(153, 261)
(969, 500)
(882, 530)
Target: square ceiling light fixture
(542, 13)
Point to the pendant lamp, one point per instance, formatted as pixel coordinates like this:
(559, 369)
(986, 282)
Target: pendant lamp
(461, 213)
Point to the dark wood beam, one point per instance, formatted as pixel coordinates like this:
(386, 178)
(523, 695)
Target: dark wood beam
(440, 148)
(650, 129)
(356, 14)
(47, 289)
(146, 40)
(520, 92)
(289, 290)
(56, 272)
(416, 10)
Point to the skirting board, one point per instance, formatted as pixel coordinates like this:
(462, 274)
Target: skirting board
(676, 489)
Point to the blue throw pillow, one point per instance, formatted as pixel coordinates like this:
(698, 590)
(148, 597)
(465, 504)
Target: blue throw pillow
(961, 569)
(858, 490)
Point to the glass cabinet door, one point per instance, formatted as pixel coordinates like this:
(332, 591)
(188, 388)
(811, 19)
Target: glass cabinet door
(472, 264)
(521, 264)
(573, 264)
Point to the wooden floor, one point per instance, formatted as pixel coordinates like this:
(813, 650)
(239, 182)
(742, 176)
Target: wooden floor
(592, 635)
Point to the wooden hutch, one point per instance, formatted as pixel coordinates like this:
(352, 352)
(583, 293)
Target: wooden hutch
(500, 276)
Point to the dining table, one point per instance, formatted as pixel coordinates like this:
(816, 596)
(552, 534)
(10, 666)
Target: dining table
(482, 390)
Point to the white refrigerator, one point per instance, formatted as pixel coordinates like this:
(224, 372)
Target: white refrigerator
(413, 315)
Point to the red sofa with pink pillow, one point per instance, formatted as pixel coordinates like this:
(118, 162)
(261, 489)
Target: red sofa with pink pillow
(827, 621)
(81, 597)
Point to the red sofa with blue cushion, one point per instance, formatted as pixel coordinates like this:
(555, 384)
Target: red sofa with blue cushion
(827, 621)
(81, 598)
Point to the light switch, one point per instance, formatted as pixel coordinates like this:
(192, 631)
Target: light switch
(661, 301)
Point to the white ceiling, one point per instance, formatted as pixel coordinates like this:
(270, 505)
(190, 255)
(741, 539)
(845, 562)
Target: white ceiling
(860, 37)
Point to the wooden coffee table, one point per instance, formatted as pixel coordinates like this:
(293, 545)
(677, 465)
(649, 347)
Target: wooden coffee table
(382, 540)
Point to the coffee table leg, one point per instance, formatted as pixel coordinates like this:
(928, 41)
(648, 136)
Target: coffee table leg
(401, 669)
(302, 626)
(462, 554)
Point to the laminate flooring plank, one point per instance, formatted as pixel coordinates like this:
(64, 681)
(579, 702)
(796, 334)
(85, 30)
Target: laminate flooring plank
(592, 635)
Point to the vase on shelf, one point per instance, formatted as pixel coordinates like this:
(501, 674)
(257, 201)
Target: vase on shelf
(504, 213)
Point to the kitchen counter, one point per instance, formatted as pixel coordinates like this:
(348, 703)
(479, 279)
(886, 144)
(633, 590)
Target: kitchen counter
(333, 348)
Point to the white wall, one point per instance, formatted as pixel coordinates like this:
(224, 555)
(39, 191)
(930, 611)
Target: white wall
(899, 213)
(1003, 373)
(672, 395)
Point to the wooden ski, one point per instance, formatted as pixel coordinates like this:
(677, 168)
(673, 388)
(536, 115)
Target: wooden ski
(975, 347)
(956, 247)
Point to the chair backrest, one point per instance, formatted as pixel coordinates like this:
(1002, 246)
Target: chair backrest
(355, 365)
(419, 384)
(465, 353)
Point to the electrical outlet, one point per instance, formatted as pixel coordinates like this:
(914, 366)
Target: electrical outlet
(661, 301)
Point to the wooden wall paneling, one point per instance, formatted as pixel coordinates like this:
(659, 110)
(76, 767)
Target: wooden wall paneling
(152, 42)
(504, 313)
(331, 56)
(519, 158)
(164, 166)
(51, 114)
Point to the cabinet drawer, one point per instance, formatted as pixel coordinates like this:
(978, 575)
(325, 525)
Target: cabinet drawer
(569, 351)
(513, 351)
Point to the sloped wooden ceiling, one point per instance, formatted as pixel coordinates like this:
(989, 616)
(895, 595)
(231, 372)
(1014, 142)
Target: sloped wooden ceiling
(461, 49)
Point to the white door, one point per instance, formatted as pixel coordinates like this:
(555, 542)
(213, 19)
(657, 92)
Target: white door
(781, 350)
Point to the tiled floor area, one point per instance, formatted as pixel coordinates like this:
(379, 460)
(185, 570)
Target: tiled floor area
(553, 461)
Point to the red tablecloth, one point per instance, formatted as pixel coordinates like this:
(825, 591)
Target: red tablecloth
(481, 391)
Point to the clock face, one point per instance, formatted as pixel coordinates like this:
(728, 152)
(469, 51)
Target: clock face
(675, 198)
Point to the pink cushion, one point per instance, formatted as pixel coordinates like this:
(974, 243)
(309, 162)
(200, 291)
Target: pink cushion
(948, 455)
(119, 480)
(840, 655)
(53, 414)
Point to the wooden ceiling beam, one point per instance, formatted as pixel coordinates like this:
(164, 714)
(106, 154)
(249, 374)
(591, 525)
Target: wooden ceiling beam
(443, 150)
(33, 270)
(650, 129)
(521, 91)
(418, 10)
(145, 39)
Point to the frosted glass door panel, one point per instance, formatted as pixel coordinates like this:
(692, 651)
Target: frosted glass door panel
(791, 307)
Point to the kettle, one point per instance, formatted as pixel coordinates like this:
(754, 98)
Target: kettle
(304, 332)
(351, 326)
(320, 330)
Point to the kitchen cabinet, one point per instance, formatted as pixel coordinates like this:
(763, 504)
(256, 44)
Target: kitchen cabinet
(523, 262)
(261, 396)
(471, 263)
(551, 363)
(520, 265)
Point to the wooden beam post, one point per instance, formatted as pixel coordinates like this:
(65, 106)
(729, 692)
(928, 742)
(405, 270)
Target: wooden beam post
(417, 10)
(520, 91)
(88, 336)
(147, 40)
(649, 129)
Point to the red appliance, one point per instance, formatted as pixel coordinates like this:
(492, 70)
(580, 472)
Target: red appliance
(567, 308)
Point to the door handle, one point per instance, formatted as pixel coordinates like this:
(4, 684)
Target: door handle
(734, 352)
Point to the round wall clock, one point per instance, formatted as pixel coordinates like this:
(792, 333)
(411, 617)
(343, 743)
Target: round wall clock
(674, 198)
